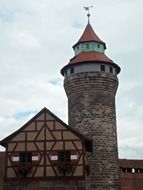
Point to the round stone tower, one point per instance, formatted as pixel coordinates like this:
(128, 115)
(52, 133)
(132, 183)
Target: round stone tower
(91, 83)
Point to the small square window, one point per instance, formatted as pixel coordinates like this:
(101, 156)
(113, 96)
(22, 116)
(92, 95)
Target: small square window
(102, 67)
(72, 70)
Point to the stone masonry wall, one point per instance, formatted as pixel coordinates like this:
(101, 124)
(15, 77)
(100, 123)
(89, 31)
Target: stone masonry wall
(26, 184)
(91, 106)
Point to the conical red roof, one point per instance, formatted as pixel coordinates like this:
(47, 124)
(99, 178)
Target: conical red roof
(85, 57)
(89, 35)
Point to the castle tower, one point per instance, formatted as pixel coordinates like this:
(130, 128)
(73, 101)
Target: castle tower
(90, 82)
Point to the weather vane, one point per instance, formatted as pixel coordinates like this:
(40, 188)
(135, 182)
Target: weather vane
(88, 13)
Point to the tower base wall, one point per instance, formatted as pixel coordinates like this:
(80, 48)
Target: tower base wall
(91, 105)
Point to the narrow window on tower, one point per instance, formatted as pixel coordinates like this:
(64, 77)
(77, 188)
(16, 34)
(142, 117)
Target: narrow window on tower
(88, 146)
(65, 73)
(72, 70)
(87, 46)
(102, 68)
(98, 45)
(111, 69)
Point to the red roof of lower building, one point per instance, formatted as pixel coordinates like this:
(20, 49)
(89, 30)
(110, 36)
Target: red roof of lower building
(131, 163)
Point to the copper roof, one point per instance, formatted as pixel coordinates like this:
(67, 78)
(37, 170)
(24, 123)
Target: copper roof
(90, 56)
(89, 35)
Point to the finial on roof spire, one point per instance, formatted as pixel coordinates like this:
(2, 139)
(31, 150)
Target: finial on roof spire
(88, 13)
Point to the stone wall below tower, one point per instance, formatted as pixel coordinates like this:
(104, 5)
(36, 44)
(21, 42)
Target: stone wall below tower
(25, 184)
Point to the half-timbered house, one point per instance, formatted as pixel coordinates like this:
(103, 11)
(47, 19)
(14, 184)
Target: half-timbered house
(45, 148)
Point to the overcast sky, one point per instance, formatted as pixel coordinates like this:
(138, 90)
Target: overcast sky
(36, 39)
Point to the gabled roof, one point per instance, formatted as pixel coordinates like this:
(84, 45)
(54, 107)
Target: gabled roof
(89, 35)
(5, 141)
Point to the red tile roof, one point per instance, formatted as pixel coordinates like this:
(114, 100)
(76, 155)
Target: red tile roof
(84, 57)
(90, 56)
(89, 35)
(131, 163)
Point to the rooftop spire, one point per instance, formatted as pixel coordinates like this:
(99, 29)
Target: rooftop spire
(89, 36)
(88, 13)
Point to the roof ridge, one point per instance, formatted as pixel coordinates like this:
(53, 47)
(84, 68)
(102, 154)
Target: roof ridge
(4, 141)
